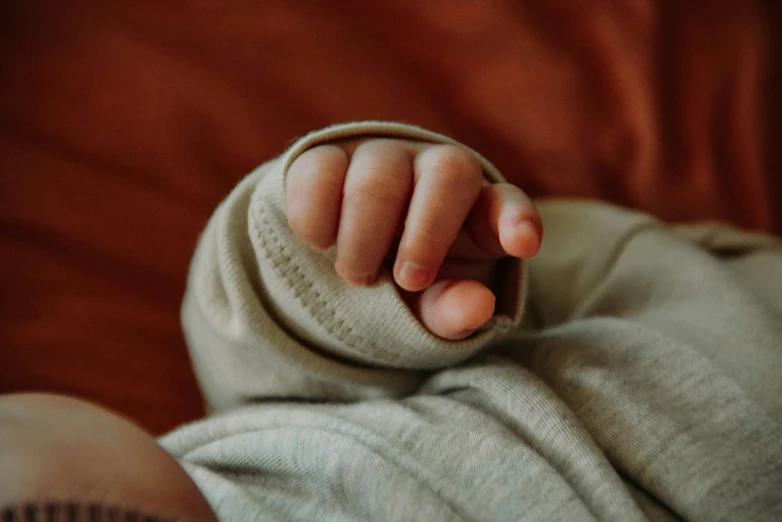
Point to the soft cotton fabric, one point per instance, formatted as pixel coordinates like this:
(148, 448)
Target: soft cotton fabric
(635, 375)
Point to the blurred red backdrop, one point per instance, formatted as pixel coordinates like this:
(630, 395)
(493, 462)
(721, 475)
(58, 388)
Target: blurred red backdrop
(123, 124)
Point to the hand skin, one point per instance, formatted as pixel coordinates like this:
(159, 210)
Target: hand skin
(422, 210)
(70, 454)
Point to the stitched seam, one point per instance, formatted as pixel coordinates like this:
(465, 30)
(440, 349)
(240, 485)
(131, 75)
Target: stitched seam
(32, 511)
(301, 286)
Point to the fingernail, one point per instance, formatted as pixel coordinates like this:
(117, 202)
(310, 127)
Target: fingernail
(359, 280)
(413, 276)
(526, 228)
(354, 279)
(530, 239)
(464, 334)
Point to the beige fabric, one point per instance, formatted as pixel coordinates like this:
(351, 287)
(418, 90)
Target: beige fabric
(722, 302)
(638, 376)
(266, 316)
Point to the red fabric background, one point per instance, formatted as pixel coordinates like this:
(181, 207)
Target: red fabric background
(123, 124)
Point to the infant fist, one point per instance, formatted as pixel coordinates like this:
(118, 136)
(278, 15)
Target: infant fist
(425, 211)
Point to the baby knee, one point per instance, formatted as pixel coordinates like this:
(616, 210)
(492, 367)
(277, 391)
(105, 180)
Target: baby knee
(71, 454)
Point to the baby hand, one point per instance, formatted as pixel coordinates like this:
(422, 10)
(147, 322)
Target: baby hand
(423, 210)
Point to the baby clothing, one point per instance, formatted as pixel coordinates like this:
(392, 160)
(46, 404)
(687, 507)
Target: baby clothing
(632, 371)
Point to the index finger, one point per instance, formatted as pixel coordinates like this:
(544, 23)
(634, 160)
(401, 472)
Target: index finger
(448, 180)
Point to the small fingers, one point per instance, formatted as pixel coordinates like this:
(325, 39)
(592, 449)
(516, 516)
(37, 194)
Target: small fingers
(377, 190)
(313, 194)
(355, 195)
(448, 180)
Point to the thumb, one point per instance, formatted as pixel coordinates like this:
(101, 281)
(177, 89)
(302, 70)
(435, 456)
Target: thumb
(453, 309)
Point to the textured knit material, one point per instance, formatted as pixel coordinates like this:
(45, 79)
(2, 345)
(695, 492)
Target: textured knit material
(635, 374)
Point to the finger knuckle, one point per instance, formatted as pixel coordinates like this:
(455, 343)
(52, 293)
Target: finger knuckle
(308, 227)
(298, 225)
(427, 235)
(457, 166)
(382, 173)
(320, 239)
(327, 162)
(382, 147)
(375, 190)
